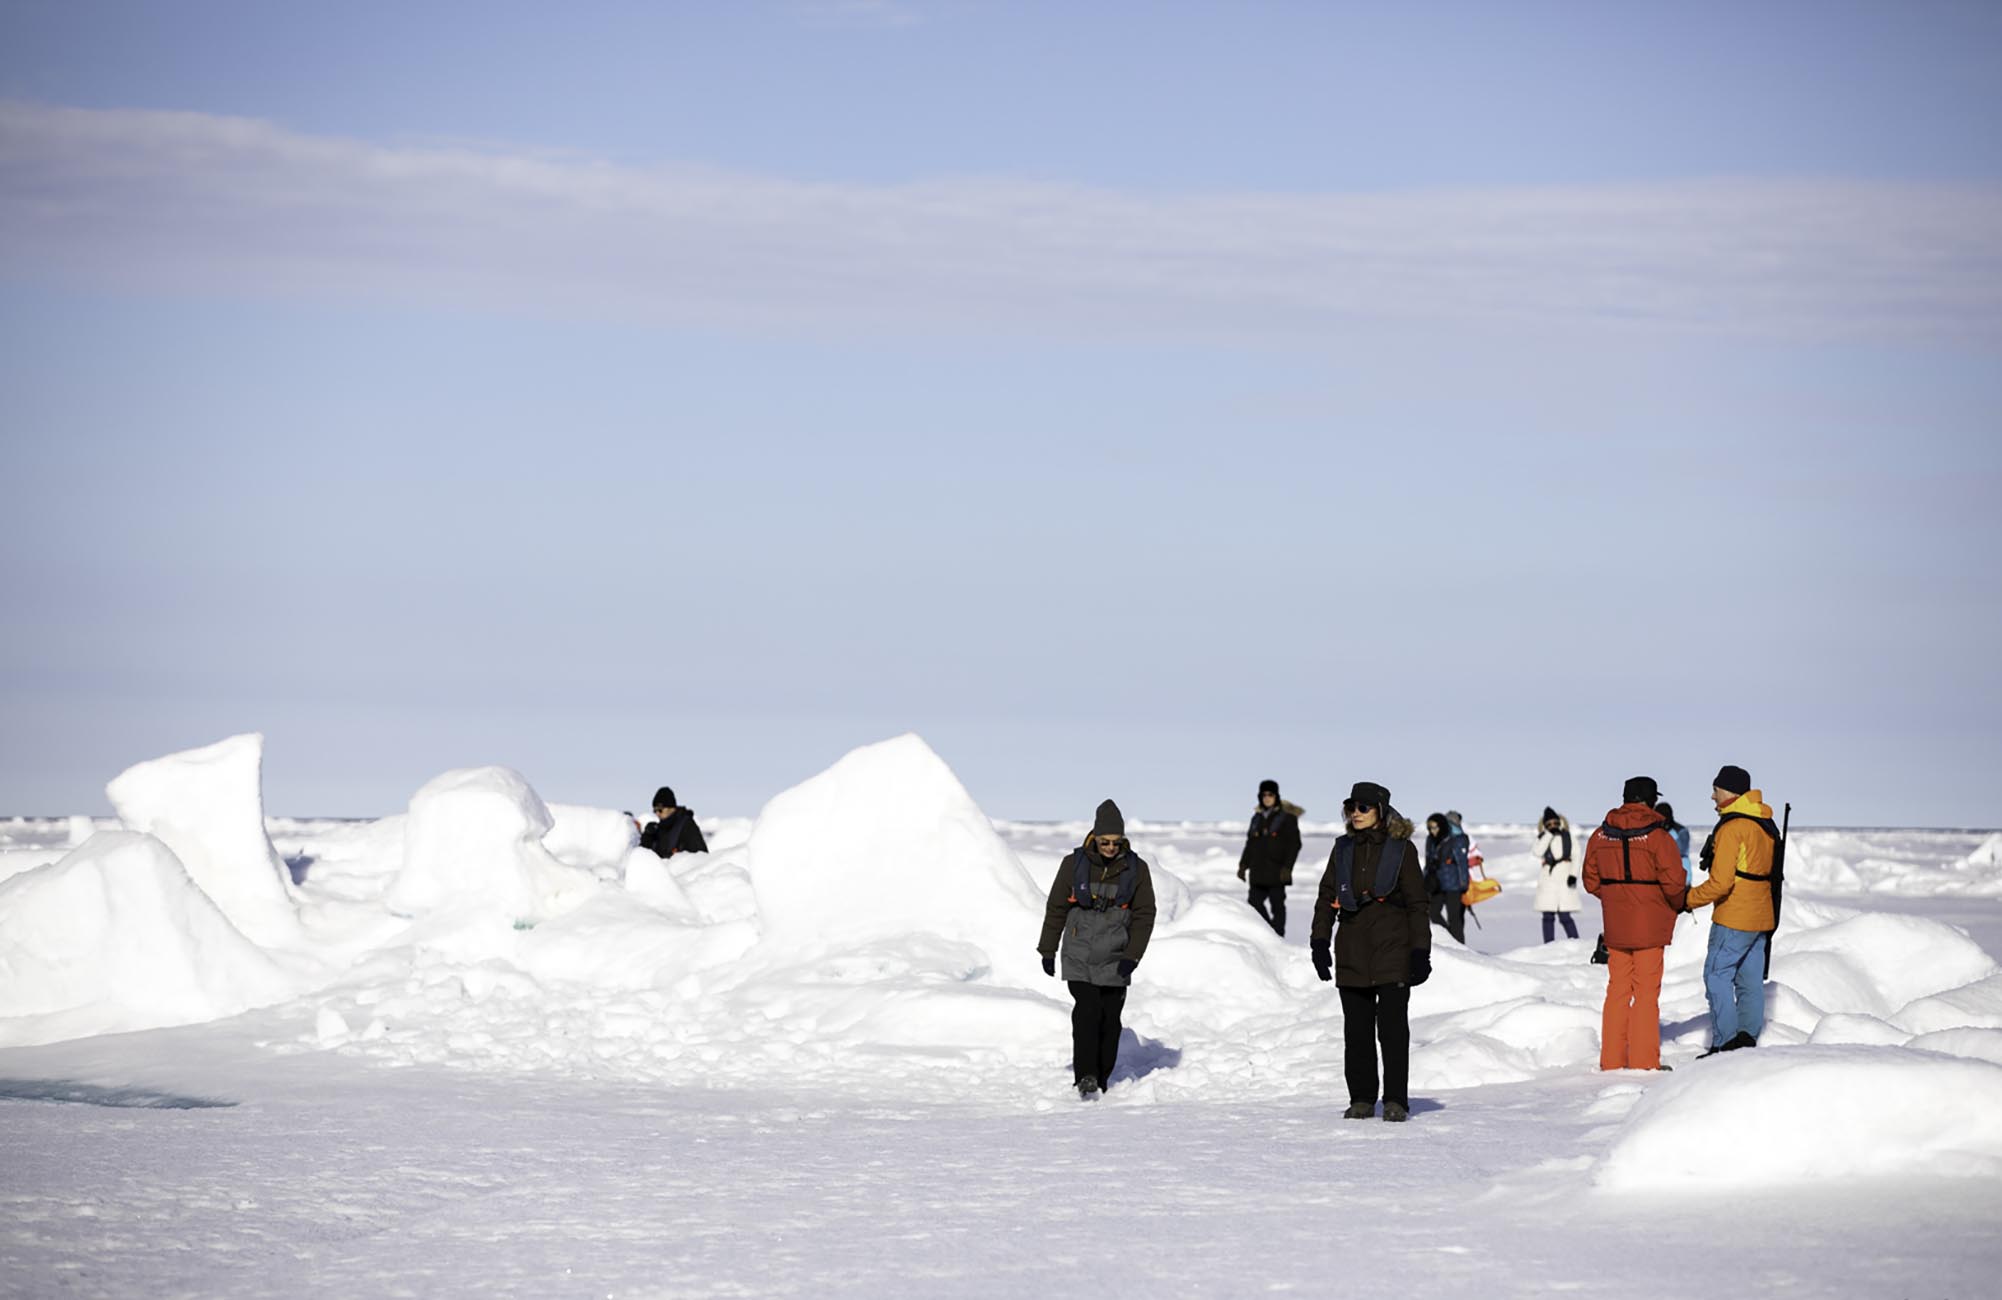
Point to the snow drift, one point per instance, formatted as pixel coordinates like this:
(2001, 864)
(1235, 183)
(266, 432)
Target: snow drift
(1807, 1114)
(207, 805)
(118, 936)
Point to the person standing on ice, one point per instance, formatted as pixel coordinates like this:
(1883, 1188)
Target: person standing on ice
(1372, 907)
(1271, 847)
(1447, 876)
(1101, 908)
(1635, 871)
(1557, 880)
(673, 829)
(1738, 859)
(1675, 828)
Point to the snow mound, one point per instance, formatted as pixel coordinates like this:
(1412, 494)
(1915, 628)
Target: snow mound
(1987, 854)
(593, 838)
(118, 936)
(207, 805)
(473, 842)
(1821, 1113)
(887, 843)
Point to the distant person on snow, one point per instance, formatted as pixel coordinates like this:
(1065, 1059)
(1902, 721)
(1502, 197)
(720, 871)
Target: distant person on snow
(1101, 907)
(1633, 869)
(1372, 907)
(673, 829)
(1447, 876)
(1738, 859)
(1675, 828)
(1557, 882)
(1271, 847)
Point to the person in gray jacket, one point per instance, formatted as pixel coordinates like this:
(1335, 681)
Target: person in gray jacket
(1101, 908)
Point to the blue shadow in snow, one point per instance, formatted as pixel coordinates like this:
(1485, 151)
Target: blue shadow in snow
(90, 1094)
(1140, 1057)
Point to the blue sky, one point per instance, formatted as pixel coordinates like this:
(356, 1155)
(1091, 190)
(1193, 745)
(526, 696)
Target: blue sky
(1136, 401)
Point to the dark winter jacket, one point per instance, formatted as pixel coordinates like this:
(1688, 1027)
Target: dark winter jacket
(1271, 846)
(1095, 932)
(1446, 870)
(678, 834)
(1373, 946)
(1640, 890)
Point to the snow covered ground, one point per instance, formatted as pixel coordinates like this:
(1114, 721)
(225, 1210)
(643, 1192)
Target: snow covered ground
(486, 1044)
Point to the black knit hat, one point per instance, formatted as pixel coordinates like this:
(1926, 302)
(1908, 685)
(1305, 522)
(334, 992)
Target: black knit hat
(664, 798)
(1369, 792)
(1550, 815)
(1109, 821)
(1640, 789)
(1268, 787)
(1734, 779)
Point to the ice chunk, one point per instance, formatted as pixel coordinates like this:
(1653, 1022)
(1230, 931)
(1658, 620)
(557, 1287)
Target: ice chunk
(473, 841)
(207, 805)
(593, 838)
(887, 842)
(117, 936)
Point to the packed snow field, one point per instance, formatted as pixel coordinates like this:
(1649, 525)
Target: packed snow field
(490, 1043)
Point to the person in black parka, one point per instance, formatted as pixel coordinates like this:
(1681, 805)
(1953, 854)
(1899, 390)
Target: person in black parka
(1271, 847)
(1372, 905)
(673, 829)
(1101, 908)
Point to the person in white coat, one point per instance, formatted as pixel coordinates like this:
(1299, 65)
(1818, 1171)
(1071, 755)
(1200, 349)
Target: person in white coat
(1557, 875)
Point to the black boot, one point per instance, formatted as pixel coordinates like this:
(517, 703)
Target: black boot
(1087, 1089)
(1396, 1112)
(1360, 1110)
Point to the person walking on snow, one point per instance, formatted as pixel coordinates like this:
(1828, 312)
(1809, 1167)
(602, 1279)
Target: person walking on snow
(673, 829)
(1447, 876)
(1101, 908)
(1271, 847)
(1633, 869)
(1738, 861)
(1371, 908)
(1557, 885)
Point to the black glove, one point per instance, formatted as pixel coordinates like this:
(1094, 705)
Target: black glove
(1127, 967)
(1050, 964)
(1421, 966)
(1571, 882)
(1324, 963)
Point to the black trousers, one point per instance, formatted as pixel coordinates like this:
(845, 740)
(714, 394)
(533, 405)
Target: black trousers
(1270, 902)
(1095, 1030)
(1450, 910)
(1383, 1014)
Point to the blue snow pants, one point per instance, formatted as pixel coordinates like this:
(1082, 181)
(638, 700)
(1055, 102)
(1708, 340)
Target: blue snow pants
(1734, 977)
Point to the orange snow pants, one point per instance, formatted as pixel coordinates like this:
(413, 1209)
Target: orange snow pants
(1630, 1027)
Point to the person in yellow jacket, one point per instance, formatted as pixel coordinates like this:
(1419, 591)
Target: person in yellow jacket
(1738, 859)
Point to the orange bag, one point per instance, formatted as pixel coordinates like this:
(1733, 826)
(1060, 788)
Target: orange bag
(1480, 889)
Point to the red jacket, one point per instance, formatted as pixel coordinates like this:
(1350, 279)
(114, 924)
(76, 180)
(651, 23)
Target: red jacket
(1639, 888)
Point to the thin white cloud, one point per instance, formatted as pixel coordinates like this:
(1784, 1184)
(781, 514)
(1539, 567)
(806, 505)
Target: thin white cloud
(197, 202)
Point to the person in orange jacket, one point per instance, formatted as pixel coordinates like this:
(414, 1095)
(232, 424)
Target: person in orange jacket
(1634, 869)
(1738, 858)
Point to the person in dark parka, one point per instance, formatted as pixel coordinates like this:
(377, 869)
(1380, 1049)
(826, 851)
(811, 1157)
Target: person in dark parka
(1447, 875)
(673, 829)
(1271, 847)
(1375, 914)
(1101, 908)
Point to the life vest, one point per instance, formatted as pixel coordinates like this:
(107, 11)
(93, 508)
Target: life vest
(1626, 838)
(1387, 866)
(1090, 894)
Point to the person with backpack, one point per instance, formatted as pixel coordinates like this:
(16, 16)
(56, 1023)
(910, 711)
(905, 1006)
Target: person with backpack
(1633, 869)
(1675, 828)
(1372, 938)
(1101, 910)
(1739, 861)
(1557, 882)
(1271, 847)
(1447, 876)
(673, 829)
